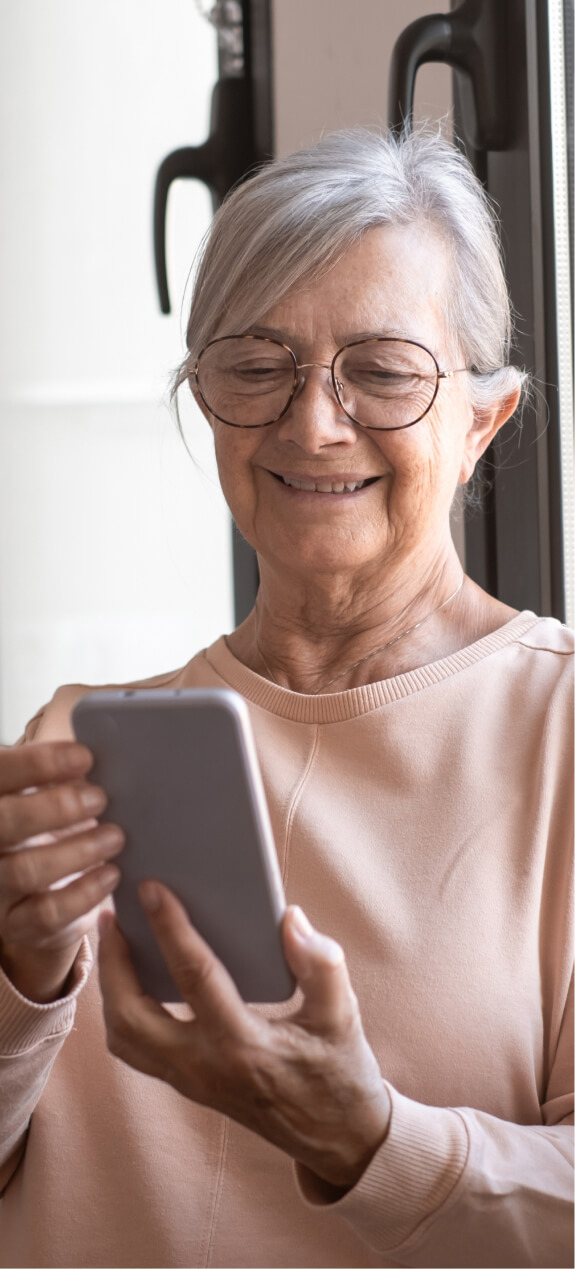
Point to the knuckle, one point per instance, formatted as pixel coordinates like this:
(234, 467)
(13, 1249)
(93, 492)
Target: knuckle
(9, 806)
(350, 1016)
(67, 803)
(19, 872)
(42, 761)
(192, 975)
(46, 913)
(120, 1030)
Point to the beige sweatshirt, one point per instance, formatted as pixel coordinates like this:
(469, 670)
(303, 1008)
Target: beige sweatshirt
(424, 822)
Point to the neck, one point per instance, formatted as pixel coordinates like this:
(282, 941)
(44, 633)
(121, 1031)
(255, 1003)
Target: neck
(311, 633)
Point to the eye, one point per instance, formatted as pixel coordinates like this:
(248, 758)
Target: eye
(259, 369)
(379, 375)
(381, 378)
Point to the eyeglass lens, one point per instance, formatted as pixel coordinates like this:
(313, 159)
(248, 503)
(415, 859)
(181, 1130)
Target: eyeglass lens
(382, 383)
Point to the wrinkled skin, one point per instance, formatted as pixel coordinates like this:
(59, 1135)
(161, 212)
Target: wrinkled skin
(340, 576)
(309, 1083)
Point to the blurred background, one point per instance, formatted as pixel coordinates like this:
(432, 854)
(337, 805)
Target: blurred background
(117, 557)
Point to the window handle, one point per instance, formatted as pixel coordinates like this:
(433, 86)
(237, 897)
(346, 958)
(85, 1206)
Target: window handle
(473, 39)
(219, 163)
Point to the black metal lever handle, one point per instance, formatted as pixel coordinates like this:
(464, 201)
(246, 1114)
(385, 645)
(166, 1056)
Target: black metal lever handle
(219, 163)
(472, 39)
(428, 39)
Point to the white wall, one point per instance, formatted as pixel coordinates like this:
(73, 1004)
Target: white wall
(114, 547)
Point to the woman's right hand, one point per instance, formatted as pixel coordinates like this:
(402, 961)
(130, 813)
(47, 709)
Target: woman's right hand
(43, 790)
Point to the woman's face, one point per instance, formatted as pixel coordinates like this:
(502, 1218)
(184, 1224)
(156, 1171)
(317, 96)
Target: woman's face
(392, 282)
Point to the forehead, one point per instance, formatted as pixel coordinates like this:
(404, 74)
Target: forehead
(393, 281)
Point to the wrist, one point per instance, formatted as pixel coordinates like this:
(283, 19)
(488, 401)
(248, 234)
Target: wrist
(335, 1172)
(40, 976)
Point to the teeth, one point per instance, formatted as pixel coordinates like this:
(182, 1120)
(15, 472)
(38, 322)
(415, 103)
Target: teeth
(324, 486)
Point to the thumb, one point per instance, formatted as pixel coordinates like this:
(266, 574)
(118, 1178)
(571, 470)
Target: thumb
(318, 963)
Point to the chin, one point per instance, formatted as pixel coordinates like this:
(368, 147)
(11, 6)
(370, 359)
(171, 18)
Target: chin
(308, 558)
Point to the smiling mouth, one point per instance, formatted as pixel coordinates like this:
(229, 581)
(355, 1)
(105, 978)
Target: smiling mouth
(326, 486)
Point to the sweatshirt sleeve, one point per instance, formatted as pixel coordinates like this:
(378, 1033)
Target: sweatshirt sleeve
(31, 1037)
(452, 1187)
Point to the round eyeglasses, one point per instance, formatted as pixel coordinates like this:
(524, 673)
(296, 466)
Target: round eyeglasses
(380, 383)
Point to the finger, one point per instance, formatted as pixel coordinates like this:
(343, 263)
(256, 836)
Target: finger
(200, 977)
(26, 766)
(318, 963)
(139, 1030)
(118, 978)
(23, 816)
(27, 870)
(40, 918)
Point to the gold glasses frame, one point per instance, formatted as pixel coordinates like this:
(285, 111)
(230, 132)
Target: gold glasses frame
(336, 384)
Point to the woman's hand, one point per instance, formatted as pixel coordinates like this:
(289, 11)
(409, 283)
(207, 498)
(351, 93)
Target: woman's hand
(46, 836)
(309, 1083)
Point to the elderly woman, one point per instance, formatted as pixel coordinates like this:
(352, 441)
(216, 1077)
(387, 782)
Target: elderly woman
(347, 344)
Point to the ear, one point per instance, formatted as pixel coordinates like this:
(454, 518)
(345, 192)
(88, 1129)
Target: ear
(485, 425)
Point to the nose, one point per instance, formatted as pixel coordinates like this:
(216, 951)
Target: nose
(315, 417)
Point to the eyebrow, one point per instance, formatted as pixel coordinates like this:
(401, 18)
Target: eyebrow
(342, 338)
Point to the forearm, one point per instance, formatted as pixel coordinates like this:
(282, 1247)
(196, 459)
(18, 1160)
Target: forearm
(31, 1036)
(462, 1188)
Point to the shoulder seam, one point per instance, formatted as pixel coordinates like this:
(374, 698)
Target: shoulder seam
(558, 652)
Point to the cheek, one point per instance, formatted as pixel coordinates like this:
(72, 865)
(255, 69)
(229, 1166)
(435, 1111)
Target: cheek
(233, 457)
(425, 464)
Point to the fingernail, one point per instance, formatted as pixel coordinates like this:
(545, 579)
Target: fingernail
(93, 798)
(109, 877)
(149, 896)
(105, 923)
(110, 839)
(300, 923)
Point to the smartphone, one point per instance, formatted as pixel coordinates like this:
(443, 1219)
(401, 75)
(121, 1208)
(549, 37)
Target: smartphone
(182, 777)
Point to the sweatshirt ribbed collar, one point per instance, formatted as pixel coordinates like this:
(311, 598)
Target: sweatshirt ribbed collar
(335, 707)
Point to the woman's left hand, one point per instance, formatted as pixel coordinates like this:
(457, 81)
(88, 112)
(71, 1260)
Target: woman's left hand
(308, 1083)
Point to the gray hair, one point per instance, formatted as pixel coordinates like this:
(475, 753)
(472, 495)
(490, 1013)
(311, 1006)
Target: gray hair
(298, 215)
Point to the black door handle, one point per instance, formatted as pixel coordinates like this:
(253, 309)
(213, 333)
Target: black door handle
(220, 162)
(473, 40)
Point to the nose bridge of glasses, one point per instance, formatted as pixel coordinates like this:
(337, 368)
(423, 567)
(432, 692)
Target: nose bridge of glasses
(304, 365)
(307, 365)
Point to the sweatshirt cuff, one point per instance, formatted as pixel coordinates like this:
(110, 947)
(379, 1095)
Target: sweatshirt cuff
(409, 1178)
(25, 1024)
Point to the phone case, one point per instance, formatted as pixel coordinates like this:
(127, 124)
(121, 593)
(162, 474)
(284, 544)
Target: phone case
(182, 777)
